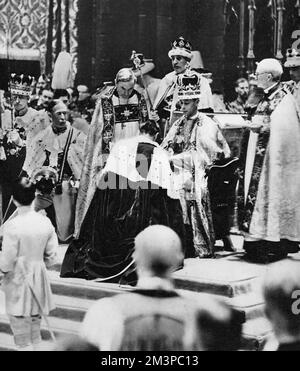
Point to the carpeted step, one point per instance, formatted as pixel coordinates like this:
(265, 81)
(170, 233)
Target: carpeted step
(228, 277)
(83, 289)
(256, 334)
(71, 307)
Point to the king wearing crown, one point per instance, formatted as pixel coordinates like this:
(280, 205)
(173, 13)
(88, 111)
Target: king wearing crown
(19, 126)
(181, 56)
(194, 142)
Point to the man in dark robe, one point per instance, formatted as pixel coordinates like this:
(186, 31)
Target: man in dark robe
(134, 190)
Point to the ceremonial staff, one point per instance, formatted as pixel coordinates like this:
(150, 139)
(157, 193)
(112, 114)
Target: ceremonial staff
(138, 62)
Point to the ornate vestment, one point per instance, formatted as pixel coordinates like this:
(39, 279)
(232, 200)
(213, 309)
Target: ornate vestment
(49, 149)
(32, 122)
(194, 144)
(269, 197)
(111, 122)
(47, 146)
(15, 138)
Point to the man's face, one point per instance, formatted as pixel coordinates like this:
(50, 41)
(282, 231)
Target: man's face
(189, 107)
(41, 85)
(46, 98)
(19, 102)
(264, 80)
(243, 90)
(59, 117)
(179, 64)
(125, 89)
(295, 74)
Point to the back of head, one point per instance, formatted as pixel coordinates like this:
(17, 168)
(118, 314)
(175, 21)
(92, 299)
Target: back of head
(59, 93)
(158, 251)
(150, 127)
(219, 327)
(282, 284)
(24, 192)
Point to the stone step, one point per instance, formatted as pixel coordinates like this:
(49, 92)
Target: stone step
(67, 317)
(71, 307)
(72, 294)
(250, 306)
(238, 282)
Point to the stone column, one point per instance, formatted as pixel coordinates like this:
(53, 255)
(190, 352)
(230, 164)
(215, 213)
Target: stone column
(242, 65)
(251, 55)
(280, 13)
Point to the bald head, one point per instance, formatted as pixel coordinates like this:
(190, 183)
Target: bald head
(158, 251)
(125, 75)
(125, 82)
(59, 112)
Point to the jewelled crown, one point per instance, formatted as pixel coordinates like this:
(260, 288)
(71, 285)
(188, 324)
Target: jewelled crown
(189, 86)
(182, 48)
(21, 84)
(292, 58)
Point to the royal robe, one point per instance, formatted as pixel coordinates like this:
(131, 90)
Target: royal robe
(135, 190)
(191, 152)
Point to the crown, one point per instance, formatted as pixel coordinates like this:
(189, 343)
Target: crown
(21, 84)
(45, 172)
(292, 58)
(181, 47)
(291, 53)
(189, 86)
(181, 43)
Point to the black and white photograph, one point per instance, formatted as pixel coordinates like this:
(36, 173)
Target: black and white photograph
(149, 178)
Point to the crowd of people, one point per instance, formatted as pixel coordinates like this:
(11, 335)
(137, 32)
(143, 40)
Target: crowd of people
(135, 179)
